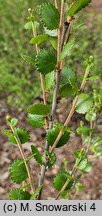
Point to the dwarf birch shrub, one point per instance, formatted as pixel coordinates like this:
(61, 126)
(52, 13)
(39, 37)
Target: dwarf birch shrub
(53, 46)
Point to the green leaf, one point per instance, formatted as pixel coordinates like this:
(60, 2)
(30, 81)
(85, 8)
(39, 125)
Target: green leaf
(69, 77)
(51, 159)
(28, 25)
(66, 91)
(82, 164)
(77, 26)
(14, 122)
(51, 33)
(88, 168)
(45, 61)
(18, 172)
(22, 134)
(50, 16)
(39, 109)
(90, 116)
(49, 80)
(97, 141)
(37, 26)
(67, 49)
(84, 104)
(61, 179)
(19, 194)
(96, 150)
(36, 121)
(39, 39)
(83, 131)
(94, 78)
(54, 42)
(29, 59)
(77, 6)
(79, 187)
(68, 84)
(37, 155)
(79, 153)
(36, 193)
(53, 133)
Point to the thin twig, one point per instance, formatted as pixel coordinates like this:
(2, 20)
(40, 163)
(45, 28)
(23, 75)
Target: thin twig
(66, 183)
(88, 146)
(41, 77)
(66, 123)
(60, 30)
(56, 4)
(23, 156)
(43, 170)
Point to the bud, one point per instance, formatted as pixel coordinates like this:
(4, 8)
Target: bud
(8, 118)
(29, 10)
(91, 59)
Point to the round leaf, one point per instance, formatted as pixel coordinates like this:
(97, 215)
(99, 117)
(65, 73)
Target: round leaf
(19, 194)
(52, 135)
(45, 61)
(66, 91)
(22, 134)
(84, 104)
(50, 16)
(39, 109)
(61, 179)
(36, 121)
(18, 172)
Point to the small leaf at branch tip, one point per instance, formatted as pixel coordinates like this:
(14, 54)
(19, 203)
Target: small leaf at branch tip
(14, 122)
(21, 133)
(28, 25)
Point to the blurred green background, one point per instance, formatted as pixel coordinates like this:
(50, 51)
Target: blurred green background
(19, 84)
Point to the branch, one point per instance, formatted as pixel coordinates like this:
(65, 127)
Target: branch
(58, 68)
(58, 75)
(43, 168)
(66, 30)
(23, 156)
